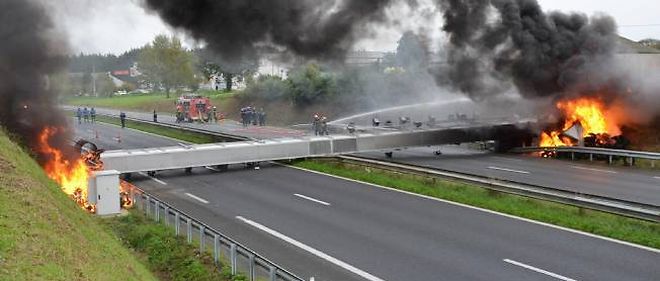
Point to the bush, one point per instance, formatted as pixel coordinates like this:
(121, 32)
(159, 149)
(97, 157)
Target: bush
(267, 87)
(165, 253)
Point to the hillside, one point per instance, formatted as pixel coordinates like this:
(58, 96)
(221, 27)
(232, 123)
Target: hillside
(44, 235)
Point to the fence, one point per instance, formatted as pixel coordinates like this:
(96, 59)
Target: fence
(591, 151)
(241, 259)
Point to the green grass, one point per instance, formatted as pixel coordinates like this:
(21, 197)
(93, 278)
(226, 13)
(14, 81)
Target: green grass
(156, 101)
(44, 235)
(600, 223)
(165, 253)
(183, 135)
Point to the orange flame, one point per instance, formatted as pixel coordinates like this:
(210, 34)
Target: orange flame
(71, 176)
(590, 113)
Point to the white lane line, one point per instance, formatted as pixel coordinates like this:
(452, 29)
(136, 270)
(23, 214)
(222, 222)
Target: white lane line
(196, 198)
(579, 232)
(311, 250)
(657, 178)
(593, 169)
(211, 168)
(508, 170)
(555, 275)
(312, 199)
(154, 179)
(507, 158)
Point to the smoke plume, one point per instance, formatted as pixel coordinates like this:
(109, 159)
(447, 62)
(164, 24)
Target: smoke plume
(238, 29)
(496, 42)
(28, 53)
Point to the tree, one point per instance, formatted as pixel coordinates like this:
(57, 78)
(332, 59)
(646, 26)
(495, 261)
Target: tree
(229, 72)
(309, 85)
(411, 53)
(166, 64)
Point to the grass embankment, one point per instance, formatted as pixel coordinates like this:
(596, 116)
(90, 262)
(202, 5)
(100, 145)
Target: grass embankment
(165, 253)
(183, 135)
(225, 101)
(600, 223)
(44, 235)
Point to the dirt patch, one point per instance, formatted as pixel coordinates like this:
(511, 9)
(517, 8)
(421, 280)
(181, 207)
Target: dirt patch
(6, 166)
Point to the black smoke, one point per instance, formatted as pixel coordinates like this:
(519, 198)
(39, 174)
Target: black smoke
(239, 29)
(496, 43)
(29, 51)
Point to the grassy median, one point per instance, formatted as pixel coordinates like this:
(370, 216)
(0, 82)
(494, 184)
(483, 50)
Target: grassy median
(618, 227)
(183, 135)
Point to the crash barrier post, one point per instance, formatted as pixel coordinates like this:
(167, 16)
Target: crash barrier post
(242, 260)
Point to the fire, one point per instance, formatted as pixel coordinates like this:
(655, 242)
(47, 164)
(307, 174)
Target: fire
(71, 175)
(590, 113)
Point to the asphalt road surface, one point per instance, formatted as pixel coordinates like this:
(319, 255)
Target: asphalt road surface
(625, 183)
(110, 137)
(335, 229)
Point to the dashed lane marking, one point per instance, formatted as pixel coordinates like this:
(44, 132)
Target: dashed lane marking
(312, 199)
(154, 179)
(311, 250)
(197, 198)
(536, 269)
(508, 170)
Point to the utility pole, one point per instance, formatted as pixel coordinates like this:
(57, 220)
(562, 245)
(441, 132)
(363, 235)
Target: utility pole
(94, 80)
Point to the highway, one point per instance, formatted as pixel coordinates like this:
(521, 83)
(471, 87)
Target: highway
(625, 183)
(335, 229)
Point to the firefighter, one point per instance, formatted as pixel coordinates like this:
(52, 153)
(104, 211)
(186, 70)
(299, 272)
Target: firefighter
(155, 116)
(262, 117)
(316, 124)
(79, 115)
(86, 115)
(122, 118)
(92, 113)
(215, 114)
(324, 126)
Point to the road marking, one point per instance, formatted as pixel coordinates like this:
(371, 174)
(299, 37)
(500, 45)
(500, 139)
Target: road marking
(507, 158)
(508, 170)
(196, 198)
(154, 179)
(311, 250)
(593, 169)
(312, 199)
(657, 178)
(621, 242)
(555, 275)
(211, 168)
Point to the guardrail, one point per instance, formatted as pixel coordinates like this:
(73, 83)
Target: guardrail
(591, 151)
(588, 201)
(240, 258)
(227, 136)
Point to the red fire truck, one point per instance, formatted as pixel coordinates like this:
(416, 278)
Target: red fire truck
(190, 108)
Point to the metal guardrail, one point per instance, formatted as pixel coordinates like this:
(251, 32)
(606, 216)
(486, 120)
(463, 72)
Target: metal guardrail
(231, 137)
(591, 151)
(241, 259)
(594, 202)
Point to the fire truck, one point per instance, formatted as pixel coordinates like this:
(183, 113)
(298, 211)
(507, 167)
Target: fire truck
(190, 108)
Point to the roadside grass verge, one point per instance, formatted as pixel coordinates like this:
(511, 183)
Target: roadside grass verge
(169, 256)
(183, 135)
(44, 235)
(596, 222)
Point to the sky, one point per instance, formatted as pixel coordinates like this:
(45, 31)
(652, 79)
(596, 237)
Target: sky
(115, 26)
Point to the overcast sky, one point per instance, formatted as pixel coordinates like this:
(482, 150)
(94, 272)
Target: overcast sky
(116, 26)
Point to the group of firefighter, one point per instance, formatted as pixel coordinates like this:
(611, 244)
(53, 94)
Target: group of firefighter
(320, 125)
(250, 115)
(86, 115)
